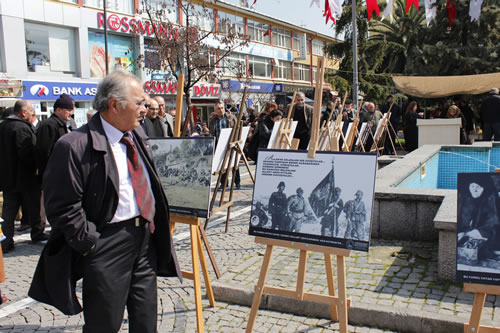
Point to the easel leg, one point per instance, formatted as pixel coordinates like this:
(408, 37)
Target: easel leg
(209, 251)
(259, 289)
(301, 273)
(342, 307)
(475, 316)
(196, 277)
(206, 276)
(331, 286)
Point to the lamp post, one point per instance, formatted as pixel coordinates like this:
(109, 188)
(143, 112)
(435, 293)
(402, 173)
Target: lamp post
(105, 37)
(354, 57)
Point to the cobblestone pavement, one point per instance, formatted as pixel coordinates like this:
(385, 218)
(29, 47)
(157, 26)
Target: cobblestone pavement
(395, 274)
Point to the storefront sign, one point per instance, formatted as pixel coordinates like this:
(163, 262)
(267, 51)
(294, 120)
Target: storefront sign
(258, 87)
(290, 88)
(120, 54)
(50, 91)
(206, 90)
(133, 25)
(11, 88)
(160, 88)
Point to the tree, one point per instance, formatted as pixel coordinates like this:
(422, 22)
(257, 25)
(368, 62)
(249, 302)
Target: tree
(191, 47)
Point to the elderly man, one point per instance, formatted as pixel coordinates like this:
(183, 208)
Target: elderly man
(371, 117)
(109, 216)
(18, 174)
(144, 121)
(303, 114)
(166, 117)
(160, 129)
(51, 129)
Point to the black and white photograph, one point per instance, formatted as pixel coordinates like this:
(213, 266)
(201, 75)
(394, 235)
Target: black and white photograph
(326, 200)
(478, 228)
(184, 166)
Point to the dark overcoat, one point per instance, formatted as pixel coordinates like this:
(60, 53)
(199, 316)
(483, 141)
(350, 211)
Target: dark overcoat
(17, 151)
(47, 134)
(81, 196)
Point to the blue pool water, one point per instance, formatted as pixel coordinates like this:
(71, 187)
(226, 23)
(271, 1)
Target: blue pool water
(440, 171)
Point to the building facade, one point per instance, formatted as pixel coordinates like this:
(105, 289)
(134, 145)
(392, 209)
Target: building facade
(50, 47)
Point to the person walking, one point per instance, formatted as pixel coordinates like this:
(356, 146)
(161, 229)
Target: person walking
(303, 114)
(18, 174)
(490, 116)
(109, 217)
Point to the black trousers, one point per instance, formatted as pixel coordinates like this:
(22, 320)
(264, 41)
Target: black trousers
(29, 201)
(304, 140)
(120, 271)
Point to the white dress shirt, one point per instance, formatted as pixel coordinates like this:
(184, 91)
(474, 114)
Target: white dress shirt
(127, 205)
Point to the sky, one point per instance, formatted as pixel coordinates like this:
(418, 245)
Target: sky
(298, 12)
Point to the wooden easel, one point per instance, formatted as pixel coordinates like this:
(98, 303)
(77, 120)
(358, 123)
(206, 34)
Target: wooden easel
(198, 257)
(480, 292)
(331, 131)
(354, 133)
(380, 137)
(234, 151)
(338, 304)
(283, 138)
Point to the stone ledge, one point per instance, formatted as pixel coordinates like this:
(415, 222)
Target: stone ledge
(359, 313)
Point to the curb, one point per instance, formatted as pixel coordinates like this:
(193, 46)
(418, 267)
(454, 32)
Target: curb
(360, 314)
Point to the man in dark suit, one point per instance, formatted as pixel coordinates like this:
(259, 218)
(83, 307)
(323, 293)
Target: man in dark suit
(18, 174)
(303, 114)
(109, 217)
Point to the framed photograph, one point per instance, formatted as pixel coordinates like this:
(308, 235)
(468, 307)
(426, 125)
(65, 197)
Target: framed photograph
(478, 228)
(326, 200)
(184, 166)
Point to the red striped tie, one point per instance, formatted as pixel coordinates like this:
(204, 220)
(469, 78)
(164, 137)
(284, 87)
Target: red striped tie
(143, 194)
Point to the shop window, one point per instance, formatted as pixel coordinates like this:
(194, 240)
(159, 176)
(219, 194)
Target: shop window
(122, 6)
(234, 64)
(50, 49)
(259, 66)
(120, 54)
(283, 70)
(230, 24)
(258, 32)
(318, 47)
(282, 37)
(301, 72)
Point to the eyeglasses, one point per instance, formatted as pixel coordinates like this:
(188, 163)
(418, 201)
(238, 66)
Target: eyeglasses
(147, 105)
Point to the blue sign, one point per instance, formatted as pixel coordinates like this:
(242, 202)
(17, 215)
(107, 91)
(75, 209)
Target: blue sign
(257, 87)
(50, 90)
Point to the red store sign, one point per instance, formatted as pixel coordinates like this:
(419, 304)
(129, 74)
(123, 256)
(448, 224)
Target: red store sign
(132, 25)
(206, 90)
(170, 88)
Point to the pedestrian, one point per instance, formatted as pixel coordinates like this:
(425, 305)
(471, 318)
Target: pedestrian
(410, 129)
(51, 129)
(166, 117)
(146, 124)
(262, 134)
(277, 207)
(109, 217)
(490, 116)
(18, 171)
(454, 112)
(330, 108)
(303, 114)
(160, 128)
(371, 117)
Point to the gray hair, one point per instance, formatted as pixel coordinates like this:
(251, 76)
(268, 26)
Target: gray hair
(20, 105)
(365, 105)
(300, 94)
(114, 85)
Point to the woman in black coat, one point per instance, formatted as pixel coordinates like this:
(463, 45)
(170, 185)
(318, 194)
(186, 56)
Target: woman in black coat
(262, 134)
(410, 127)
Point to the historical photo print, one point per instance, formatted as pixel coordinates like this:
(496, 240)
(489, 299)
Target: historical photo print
(326, 200)
(478, 228)
(184, 166)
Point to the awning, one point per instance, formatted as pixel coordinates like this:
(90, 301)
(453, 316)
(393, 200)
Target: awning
(6, 102)
(441, 86)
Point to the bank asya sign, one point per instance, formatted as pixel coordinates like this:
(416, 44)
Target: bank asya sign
(170, 88)
(49, 91)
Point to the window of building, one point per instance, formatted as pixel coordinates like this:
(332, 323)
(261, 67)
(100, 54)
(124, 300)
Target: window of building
(50, 49)
(301, 72)
(199, 16)
(282, 37)
(258, 32)
(168, 13)
(296, 42)
(234, 64)
(259, 66)
(122, 6)
(283, 70)
(318, 47)
(231, 24)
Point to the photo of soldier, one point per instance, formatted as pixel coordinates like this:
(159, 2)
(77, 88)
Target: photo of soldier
(298, 210)
(330, 220)
(355, 213)
(278, 208)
